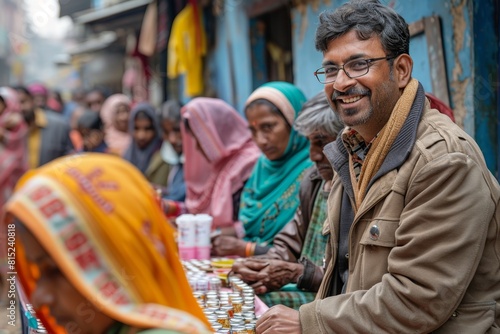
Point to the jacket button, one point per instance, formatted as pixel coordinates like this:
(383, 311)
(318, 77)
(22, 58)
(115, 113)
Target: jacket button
(374, 232)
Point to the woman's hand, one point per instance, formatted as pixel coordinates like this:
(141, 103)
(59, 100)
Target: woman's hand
(227, 245)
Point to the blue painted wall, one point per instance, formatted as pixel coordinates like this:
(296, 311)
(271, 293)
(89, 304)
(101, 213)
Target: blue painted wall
(466, 52)
(485, 97)
(232, 55)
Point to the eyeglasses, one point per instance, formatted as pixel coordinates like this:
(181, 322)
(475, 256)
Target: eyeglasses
(353, 69)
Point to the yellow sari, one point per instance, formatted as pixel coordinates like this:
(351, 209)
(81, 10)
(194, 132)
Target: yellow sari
(100, 221)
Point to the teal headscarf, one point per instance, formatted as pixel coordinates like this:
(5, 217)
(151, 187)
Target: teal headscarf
(271, 195)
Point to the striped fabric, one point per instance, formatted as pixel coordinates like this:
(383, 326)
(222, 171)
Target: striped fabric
(314, 250)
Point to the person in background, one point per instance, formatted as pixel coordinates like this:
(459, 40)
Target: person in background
(95, 253)
(115, 114)
(94, 99)
(48, 132)
(55, 101)
(40, 95)
(144, 149)
(13, 130)
(171, 150)
(74, 134)
(219, 158)
(91, 129)
(77, 102)
(413, 215)
(290, 272)
(270, 197)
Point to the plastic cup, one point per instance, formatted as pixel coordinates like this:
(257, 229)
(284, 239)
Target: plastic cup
(186, 236)
(203, 242)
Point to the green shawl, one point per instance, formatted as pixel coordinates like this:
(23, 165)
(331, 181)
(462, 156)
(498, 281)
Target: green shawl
(270, 196)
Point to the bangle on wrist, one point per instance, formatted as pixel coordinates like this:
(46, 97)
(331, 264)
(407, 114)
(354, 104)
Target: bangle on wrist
(249, 249)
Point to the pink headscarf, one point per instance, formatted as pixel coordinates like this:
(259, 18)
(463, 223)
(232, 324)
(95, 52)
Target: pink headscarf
(116, 140)
(226, 140)
(13, 160)
(38, 89)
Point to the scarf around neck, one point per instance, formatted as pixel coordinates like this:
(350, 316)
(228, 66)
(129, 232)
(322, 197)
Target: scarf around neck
(383, 143)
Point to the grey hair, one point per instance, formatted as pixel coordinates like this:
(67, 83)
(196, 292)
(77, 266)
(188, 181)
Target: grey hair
(367, 18)
(316, 115)
(171, 110)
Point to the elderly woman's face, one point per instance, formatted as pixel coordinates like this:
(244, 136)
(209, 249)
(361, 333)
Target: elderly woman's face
(269, 130)
(70, 309)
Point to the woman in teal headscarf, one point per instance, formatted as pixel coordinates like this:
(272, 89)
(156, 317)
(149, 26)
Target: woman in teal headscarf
(270, 196)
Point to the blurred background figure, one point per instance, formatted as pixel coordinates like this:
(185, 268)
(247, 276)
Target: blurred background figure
(115, 114)
(220, 156)
(55, 101)
(103, 259)
(91, 129)
(77, 102)
(171, 150)
(48, 132)
(40, 95)
(74, 135)
(13, 132)
(94, 99)
(144, 149)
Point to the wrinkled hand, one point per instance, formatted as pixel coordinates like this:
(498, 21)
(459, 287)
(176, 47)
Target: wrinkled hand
(247, 269)
(279, 319)
(227, 245)
(265, 275)
(276, 275)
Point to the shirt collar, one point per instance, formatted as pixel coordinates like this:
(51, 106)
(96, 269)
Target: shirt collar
(353, 141)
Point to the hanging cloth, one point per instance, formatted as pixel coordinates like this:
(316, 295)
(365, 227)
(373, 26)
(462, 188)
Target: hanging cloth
(186, 48)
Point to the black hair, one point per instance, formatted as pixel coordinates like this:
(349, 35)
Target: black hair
(24, 90)
(367, 18)
(90, 120)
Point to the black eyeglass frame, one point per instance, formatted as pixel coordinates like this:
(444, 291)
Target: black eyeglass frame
(369, 62)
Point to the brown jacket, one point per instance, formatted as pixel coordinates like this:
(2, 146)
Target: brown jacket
(424, 247)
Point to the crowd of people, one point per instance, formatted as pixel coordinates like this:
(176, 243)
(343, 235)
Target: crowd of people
(364, 209)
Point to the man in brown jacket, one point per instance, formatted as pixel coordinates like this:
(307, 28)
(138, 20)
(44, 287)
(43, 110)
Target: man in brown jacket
(413, 213)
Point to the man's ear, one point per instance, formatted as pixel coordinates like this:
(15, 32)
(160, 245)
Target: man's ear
(402, 68)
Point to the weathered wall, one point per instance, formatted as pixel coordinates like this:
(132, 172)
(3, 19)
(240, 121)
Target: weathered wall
(470, 41)
(485, 78)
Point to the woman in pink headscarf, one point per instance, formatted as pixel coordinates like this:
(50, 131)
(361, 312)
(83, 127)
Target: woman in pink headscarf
(12, 143)
(219, 158)
(115, 113)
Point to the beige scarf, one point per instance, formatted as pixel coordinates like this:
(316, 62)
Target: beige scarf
(382, 144)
